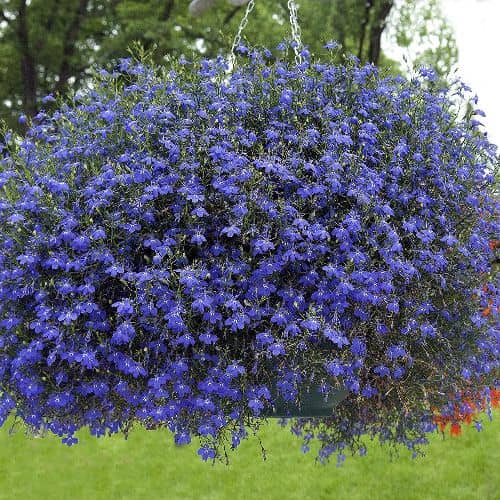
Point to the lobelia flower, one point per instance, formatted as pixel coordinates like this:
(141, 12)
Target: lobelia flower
(188, 248)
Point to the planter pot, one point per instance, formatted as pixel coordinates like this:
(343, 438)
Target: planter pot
(312, 404)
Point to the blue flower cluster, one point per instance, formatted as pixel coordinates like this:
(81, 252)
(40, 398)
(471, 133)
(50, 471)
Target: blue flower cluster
(182, 247)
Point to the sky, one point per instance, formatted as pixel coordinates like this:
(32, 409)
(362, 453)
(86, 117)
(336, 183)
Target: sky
(476, 24)
(477, 31)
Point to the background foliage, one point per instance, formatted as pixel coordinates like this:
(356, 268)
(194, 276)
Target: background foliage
(49, 45)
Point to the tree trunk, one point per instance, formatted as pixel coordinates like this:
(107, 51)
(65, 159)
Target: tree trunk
(363, 28)
(377, 28)
(28, 69)
(338, 23)
(167, 11)
(69, 44)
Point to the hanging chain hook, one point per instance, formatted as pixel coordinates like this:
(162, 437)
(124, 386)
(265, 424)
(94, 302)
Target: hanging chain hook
(296, 31)
(237, 38)
(295, 28)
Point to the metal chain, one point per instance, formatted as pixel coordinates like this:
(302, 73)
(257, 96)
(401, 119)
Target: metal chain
(296, 31)
(237, 38)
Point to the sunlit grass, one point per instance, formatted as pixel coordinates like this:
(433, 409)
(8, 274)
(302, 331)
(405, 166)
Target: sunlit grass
(149, 466)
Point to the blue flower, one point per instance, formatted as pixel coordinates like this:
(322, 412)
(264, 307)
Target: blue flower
(286, 98)
(358, 347)
(124, 307)
(335, 368)
(393, 307)
(60, 400)
(123, 334)
(256, 405)
(276, 349)
(331, 45)
(395, 351)
(183, 437)
(108, 115)
(69, 440)
(206, 453)
(428, 330)
(80, 244)
(231, 231)
(336, 337)
(264, 338)
(189, 243)
(48, 98)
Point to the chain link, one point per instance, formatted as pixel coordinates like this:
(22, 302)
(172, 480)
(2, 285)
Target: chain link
(237, 38)
(296, 31)
(294, 23)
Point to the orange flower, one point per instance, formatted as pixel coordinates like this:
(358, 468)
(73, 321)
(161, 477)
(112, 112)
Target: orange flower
(495, 398)
(464, 413)
(494, 244)
(487, 311)
(468, 409)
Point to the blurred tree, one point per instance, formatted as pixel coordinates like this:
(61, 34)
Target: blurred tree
(47, 46)
(421, 29)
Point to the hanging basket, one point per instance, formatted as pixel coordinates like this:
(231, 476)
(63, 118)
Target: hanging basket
(312, 404)
(168, 233)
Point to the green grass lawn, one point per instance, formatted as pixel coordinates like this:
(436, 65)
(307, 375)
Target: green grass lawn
(149, 466)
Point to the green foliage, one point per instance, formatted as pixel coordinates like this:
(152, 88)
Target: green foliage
(420, 27)
(50, 45)
(147, 466)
